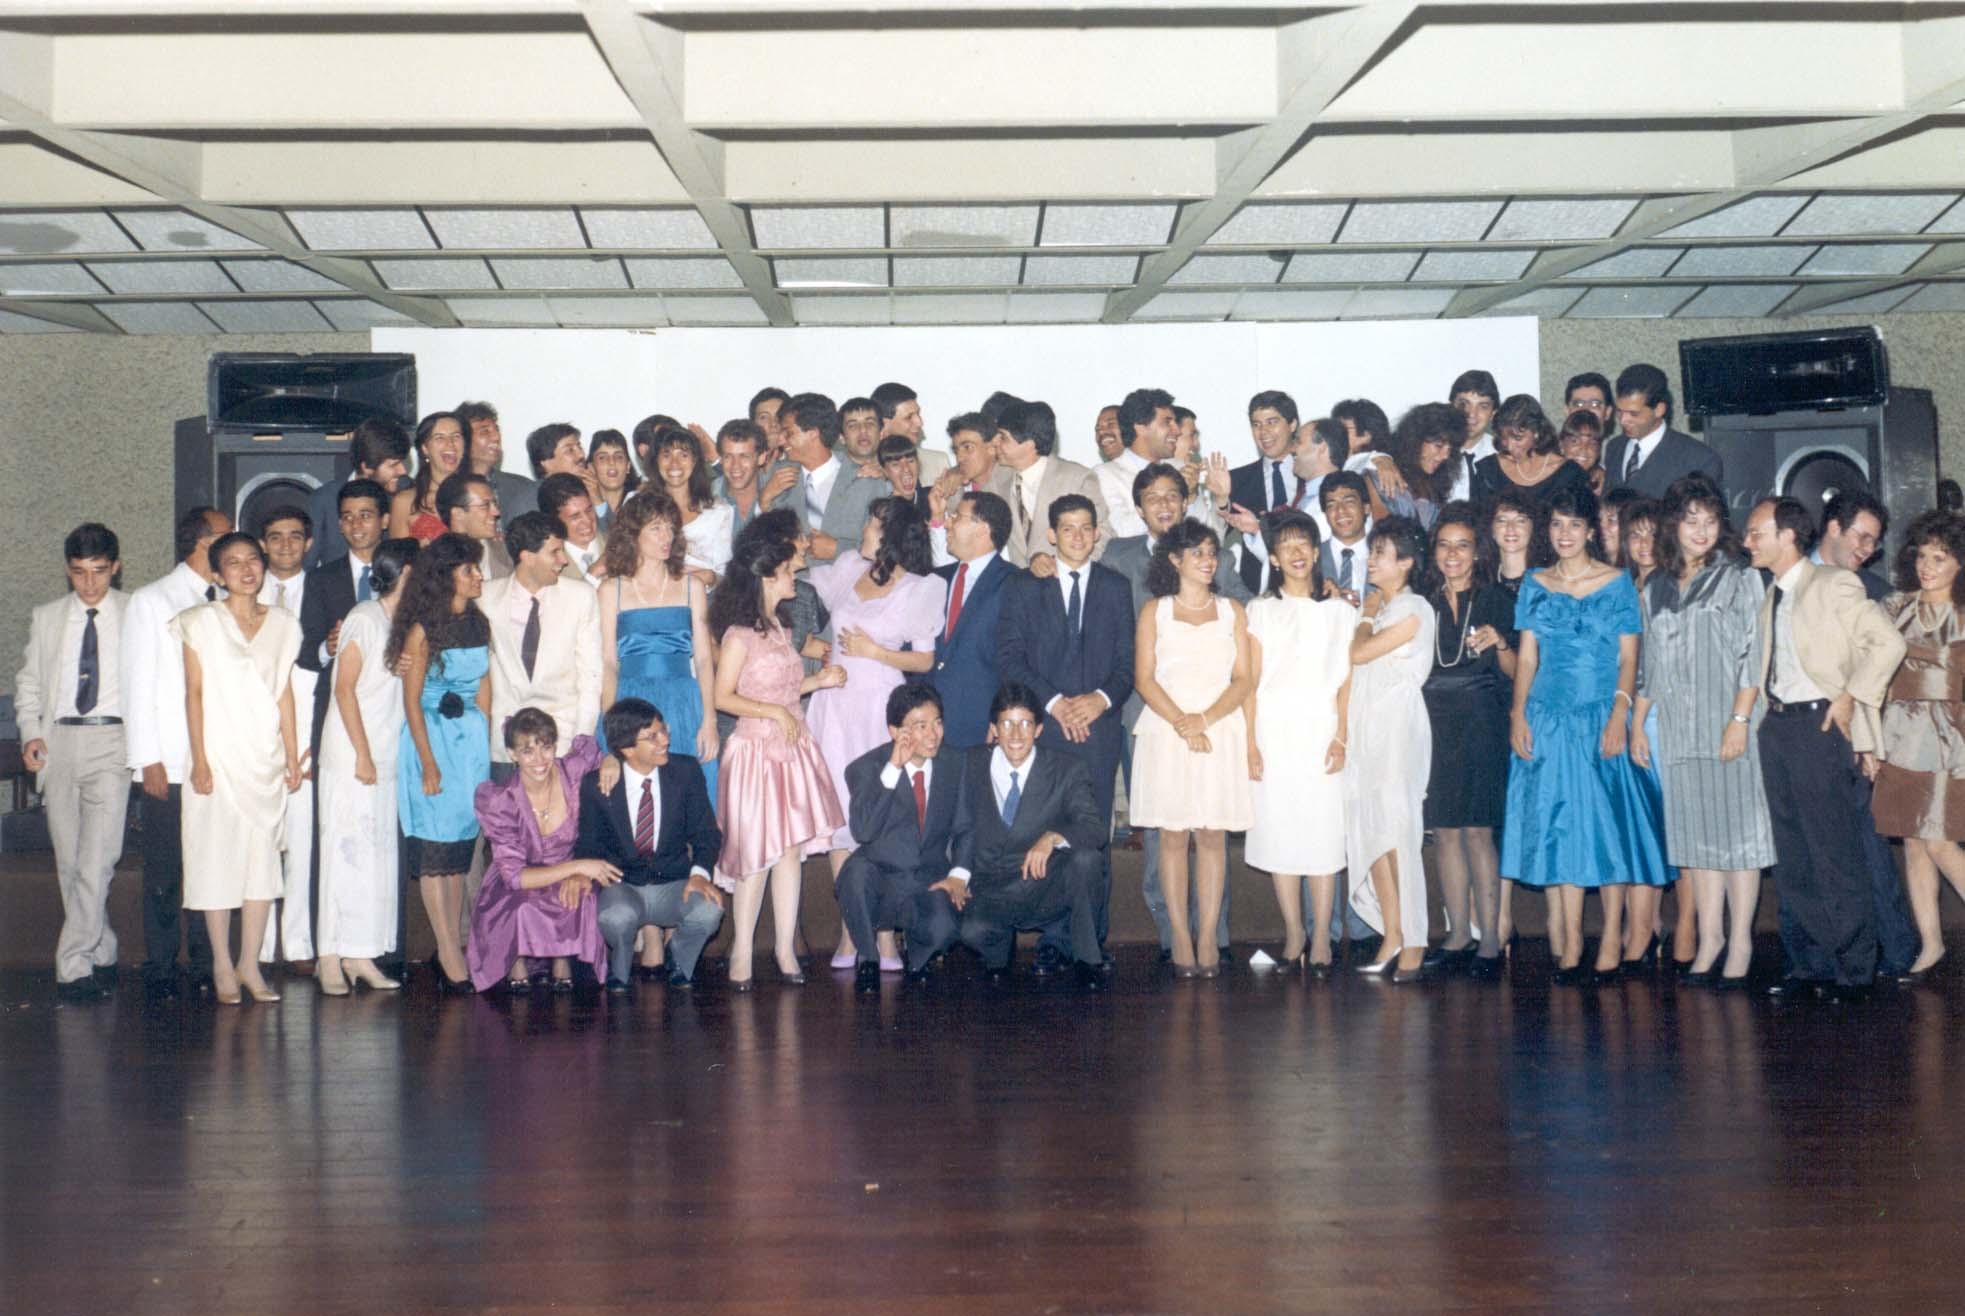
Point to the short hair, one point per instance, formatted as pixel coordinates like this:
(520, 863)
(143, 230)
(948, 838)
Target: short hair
(1848, 504)
(1647, 382)
(894, 447)
(1182, 414)
(908, 696)
(1523, 412)
(1288, 523)
(851, 405)
(1340, 480)
(814, 411)
(1330, 433)
(377, 441)
(1577, 500)
(1940, 527)
(887, 399)
(288, 512)
(1031, 422)
(777, 395)
(973, 422)
(470, 413)
(625, 720)
(993, 512)
(1580, 424)
(1276, 400)
(1478, 382)
(1791, 514)
(556, 491)
(529, 532)
(540, 443)
(1368, 418)
(1138, 407)
(1588, 379)
(357, 489)
(1158, 471)
(1162, 576)
(993, 408)
(741, 430)
(1015, 694)
(191, 527)
(93, 539)
(455, 489)
(1064, 503)
(1408, 540)
(225, 541)
(533, 724)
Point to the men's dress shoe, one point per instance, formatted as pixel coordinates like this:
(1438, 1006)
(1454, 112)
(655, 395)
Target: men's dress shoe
(161, 989)
(1166, 954)
(83, 991)
(305, 968)
(105, 975)
(920, 977)
(1090, 978)
(202, 985)
(998, 978)
(1852, 993)
(615, 987)
(866, 978)
(651, 972)
(1791, 989)
(1048, 961)
(680, 981)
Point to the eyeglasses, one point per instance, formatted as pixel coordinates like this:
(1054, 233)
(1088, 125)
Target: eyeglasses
(1009, 724)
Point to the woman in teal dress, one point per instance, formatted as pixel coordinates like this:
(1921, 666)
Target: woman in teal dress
(1579, 813)
(440, 640)
(654, 633)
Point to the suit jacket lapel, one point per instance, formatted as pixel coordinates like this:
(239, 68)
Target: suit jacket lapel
(617, 808)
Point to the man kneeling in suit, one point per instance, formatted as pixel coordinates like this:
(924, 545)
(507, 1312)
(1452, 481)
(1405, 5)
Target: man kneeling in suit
(1028, 842)
(904, 813)
(648, 813)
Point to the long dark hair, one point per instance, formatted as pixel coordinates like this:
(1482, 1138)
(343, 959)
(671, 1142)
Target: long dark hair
(1288, 523)
(425, 482)
(1947, 531)
(904, 543)
(1636, 510)
(1487, 557)
(1507, 500)
(738, 599)
(1408, 540)
(1429, 422)
(1579, 502)
(427, 598)
(1162, 576)
(699, 474)
(1524, 412)
(1694, 491)
(623, 556)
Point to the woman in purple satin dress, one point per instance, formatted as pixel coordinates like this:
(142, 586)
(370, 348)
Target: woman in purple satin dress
(537, 901)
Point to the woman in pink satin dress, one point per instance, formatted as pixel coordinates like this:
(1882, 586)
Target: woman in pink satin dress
(776, 799)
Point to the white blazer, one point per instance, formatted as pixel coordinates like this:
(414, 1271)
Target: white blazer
(566, 677)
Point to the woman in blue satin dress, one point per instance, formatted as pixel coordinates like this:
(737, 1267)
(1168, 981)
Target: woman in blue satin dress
(1579, 814)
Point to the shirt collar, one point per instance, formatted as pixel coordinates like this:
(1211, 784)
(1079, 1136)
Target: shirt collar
(632, 781)
(999, 765)
(978, 565)
(1646, 442)
(1789, 577)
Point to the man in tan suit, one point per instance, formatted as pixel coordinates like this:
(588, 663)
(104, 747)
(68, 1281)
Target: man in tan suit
(567, 504)
(68, 700)
(1828, 656)
(545, 639)
(1026, 445)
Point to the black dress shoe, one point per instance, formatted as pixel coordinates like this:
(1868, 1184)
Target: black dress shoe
(160, 988)
(1722, 983)
(1791, 989)
(1706, 978)
(1089, 976)
(999, 979)
(1049, 961)
(1606, 977)
(1569, 977)
(615, 987)
(680, 981)
(105, 975)
(866, 977)
(1484, 968)
(202, 985)
(83, 991)
(1852, 993)
(1166, 954)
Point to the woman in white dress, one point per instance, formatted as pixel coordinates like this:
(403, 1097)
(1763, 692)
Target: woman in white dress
(707, 523)
(1300, 664)
(245, 758)
(358, 879)
(1387, 768)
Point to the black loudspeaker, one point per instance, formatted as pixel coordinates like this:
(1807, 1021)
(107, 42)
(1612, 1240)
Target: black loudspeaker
(1770, 373)
(247, 475)
(1889, 451)
(327, 392)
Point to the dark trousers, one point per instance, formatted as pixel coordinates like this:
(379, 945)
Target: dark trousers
(1103, 764)
(1004, 904)
(872, 898)
(1828, 927)
(1897, 941)
(163, 893)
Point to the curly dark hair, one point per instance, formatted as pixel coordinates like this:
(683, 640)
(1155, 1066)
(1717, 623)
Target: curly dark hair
(699, 474)
(1408, 540)
(738, 599)
(1508, 500)
(1579, 502)
(623, 556)
(426, 490)
(1634, 511)
(1941, 529)
(1429, 422)
(1688, 494)
(904, 542)
(427, 600)
(1523, 412)
(1487, 557)
(1162, 576)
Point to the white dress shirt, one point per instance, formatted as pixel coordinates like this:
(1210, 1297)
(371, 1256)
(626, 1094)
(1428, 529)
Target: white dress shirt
(631, 782)
(287, 594)
(1115, 486)
(1790, 684)
(585, 560)
(821, 482)
(1640, 449)
(109, 680)
(1463, 466)
(153, 674)
(1027, 481)
(1063, 583)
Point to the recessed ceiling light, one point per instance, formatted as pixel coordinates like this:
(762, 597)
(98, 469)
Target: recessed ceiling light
(964, 226)
(527, 272)
(1075, 224)
(1252, 268)
(157, 317)
(1737, 299)
(668, 229)
(1835, 213)
(1418, 221)
(666, 272)
(1054, 271)
(269, 317)
(800, 228)
(362, 230)
(178, 276)
(512, 229)
(425, 274)
(1739, 262)
(49, 233)
(179, 230)
(28, 278)
(831, 271)
(956, 271)
(1558, 220)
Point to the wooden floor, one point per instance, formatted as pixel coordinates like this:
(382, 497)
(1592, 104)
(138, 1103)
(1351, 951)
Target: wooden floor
(1257, 1143)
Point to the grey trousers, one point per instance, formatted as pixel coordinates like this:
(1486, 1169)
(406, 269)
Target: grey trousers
(86, 786)
(626, 909)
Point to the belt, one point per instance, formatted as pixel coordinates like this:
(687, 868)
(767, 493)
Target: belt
(88, 721)
(1776, 707)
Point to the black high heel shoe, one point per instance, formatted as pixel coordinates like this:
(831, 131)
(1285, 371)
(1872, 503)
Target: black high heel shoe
(1646, 958)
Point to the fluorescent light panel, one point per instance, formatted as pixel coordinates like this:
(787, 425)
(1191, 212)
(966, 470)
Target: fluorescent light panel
(362, 230)
(1075, 224)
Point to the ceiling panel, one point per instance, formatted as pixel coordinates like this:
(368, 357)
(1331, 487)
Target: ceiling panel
(541, 272)
(1252, 268)
(1936, 297)
(1350, 266)
(610, 312)
(1069, 224)
(818, 308)
(1755, 217)
(1635, 263)
(950, 308)
(1056, 307)
(362, 230)
(1419, 221)
(351, 316)
(503, 312)
(682, 272)
(514, 229)
(445, 274)
(47, 276)
(1292, 303)
(956, 271)
(1052, 271)
(802, 228)
(1188, 306)
(1282, 225)
(1629, 303)
(177, 230)
(963, 226)
(1888, 212)
(1739, 262)
(647, 230)
(278, 276)
(10, 323)
(1397, 303)
(180, 276)
(831, 271)
(1865, 257)
(273, 317)
(43, 232)
(1449, 266)
(1559, 219)
(713, 310)
(1737, 299)
(1874, 303)
(1545, 302)
(157, 317)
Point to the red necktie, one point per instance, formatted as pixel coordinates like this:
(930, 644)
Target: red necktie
(645, 818)
(920, 800)
(955, 597)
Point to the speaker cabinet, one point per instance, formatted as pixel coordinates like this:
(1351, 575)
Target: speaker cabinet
(248, 475)
(330, 391)
(1771, 373)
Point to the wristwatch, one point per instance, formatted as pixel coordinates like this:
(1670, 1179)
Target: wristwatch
(1742, 719)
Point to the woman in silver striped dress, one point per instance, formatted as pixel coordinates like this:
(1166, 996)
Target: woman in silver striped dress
(1698, 667)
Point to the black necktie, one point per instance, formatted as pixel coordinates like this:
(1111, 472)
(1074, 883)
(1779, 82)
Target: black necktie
(1773, 645)
(211, 593)
(529, 646)
(1631, 465)
(86, 682)
(1277, 497)
(1074, 609)
(1344, 571)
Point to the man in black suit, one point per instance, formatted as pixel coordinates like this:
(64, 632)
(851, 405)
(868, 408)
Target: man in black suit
(1649, 455)
(904, 816)
(380, 449)
(1070, 639)
(655, 824)
(1853, 527)
(335, 586)
(1027, 845)
(1270, 481)
(965, 655)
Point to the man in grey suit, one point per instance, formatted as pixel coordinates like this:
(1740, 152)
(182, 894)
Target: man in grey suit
(830, 496)
(1650, 456)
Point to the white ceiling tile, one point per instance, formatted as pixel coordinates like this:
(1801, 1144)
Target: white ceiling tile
(1281, 225)
(270, 317)
(956, 271)
(157, 317)
(178, 230)
(50, 232)
(1052, 271)
(1952, 221)
(1629, 303)
(349, 315)
(1448, 266)
(570, 272)
(682, 272)
(817, 308)
(1737, 299)
(362, 230)
(676, 229)
(963, 226)
(1634, 263)
(1188, 306)
(1755, 217)
(180, 276)
(1418, 221)
(831, 271)
(950, 308)
(1397, 303)
(1834, 213)
(609, 312)
(715, 310)
(55, 276)
(502, 312)
(1292, 303)
(505, 229)
(1869, 304)
(1739, 262)
(1056, 307)
(1558, 219)
(1937, 297)
(1865, 257)
(11, 323)
(278, 276)
(798, 228)
(1546, 302)
(1255, 267)
(418, 274)
(1350, 266)
(1078, 224)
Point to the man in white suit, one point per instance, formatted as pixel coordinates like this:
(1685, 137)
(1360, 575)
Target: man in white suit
(1026, 445)
(69, 702)
(545, 638)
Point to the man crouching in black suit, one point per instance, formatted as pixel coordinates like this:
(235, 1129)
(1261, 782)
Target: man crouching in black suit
(1028, 844)
(904, 812)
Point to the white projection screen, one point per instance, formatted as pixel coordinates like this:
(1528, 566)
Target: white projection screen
(608, 378)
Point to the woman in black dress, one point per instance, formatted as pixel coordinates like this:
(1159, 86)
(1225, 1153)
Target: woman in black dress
(1467, 696)
(1528, 462)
